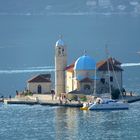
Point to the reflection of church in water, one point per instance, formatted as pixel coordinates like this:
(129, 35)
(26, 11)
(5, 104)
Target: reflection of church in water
(82, 75)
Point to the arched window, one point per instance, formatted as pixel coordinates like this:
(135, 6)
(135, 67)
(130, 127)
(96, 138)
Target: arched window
(86, 87)
(102, 80)
(39, 89)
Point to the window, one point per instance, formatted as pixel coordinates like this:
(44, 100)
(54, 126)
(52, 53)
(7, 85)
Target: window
(111, 79)
(59, 51)
(102, 80)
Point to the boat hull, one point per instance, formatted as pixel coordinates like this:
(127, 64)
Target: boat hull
(115, 106)
(83, 108)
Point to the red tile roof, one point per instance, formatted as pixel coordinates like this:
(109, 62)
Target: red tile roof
(40, 78)
(113, 65)
(70, 67)
(86, 80)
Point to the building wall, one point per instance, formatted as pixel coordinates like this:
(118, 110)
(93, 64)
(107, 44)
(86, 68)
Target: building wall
(117, 80)
(86, 73)
(60, 65)
(72, 83)
(69, 81)
(33, 87)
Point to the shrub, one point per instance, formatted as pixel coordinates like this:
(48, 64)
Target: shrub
(75, 97)
(72, 97)
(115, 93)
(28, 94)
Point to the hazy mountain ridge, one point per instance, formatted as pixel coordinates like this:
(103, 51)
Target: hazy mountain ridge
(43, 7)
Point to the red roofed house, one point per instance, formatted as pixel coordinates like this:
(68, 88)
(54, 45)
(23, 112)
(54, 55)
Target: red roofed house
(40, 84)
(115, 78)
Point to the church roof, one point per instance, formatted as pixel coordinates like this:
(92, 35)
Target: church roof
(113, 65)
(88, 80)
(102, 65)
(85, 62)
(60, 42)
(40, 78)
(77, 92)
(70, 67)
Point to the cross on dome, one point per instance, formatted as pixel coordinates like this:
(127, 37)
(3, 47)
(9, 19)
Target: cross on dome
(85, 52)
(60, 36)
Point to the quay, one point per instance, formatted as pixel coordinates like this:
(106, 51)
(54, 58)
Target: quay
(46, 100)
(133, 99)
(47, 103)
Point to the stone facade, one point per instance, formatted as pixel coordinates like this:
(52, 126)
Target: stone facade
(87, 83)
(60, 65)
(40, 87)
(40, 84)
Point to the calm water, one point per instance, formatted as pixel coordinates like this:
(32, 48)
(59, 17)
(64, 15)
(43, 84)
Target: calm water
(58, 123)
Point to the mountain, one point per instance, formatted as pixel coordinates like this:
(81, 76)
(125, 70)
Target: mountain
(61, 7)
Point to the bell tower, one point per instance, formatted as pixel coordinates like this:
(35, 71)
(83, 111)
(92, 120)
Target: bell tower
(60, 65)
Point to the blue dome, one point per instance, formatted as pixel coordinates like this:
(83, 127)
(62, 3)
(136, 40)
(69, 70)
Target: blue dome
(60, 42)
(85, 62)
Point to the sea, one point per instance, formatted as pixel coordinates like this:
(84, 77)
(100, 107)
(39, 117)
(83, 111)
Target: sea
(28, 33)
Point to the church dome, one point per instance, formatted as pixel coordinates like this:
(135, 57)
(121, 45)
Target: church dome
(85, 62)
(60, 42)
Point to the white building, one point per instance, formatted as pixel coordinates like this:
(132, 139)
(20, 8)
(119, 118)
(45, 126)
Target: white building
(40, 84)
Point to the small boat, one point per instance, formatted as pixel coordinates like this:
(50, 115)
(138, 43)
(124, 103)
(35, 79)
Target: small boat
(108, 104)
(85, 107)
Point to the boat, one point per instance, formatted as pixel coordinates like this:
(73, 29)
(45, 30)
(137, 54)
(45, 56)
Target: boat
(108, 104)
(85, 107)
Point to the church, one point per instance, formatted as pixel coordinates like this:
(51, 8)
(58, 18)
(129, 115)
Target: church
(85, 76)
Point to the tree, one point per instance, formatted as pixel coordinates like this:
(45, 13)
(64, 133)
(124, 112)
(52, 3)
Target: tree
(115, 93)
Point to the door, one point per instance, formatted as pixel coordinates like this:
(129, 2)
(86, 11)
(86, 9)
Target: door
(39, 89)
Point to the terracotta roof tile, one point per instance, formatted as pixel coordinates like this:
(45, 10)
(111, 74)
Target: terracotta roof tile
(70, 67)
(87, 80)
(113, 65)
(40, 78)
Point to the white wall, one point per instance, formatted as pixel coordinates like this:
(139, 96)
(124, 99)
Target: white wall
(116, 79)
(33, 87)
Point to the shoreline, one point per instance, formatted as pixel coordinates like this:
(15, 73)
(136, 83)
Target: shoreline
(38, 99)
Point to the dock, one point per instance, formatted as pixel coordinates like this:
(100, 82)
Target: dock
(133, 99)
(43, 103)
(13, 101)
(46, 100)
(53, 103)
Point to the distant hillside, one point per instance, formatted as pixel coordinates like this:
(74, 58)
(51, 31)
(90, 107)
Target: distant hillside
(69, 7)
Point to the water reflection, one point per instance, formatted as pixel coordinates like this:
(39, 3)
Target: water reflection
(66, 122)
(72, 123)
(45, 122)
